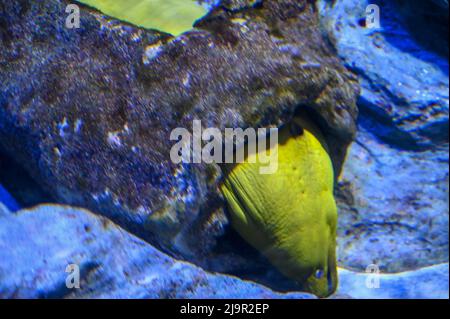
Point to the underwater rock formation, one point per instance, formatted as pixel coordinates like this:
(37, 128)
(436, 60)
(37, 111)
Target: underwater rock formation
(88, 112)
(404, 83)
(393, 206)
(115, 264)
(424, 283)
(235, 5)
(393, 196)
(427, 22)
(112, 262)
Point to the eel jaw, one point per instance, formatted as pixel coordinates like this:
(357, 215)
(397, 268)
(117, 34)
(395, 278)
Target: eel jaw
(323, 282)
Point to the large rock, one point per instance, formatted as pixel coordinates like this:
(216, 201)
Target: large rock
(37, 246)
(424, 283)
(393, 206)
(404, 83)
(393, 194)
(89, 111)
(427, 22)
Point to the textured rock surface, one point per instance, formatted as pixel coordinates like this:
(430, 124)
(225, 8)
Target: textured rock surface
(427, 22)
(404, 84)
(115, 264)
(89, 111)
(36, 246)
(425, 283)
(235, 5)
(94, 131)
(7, 200)
(393, 206)
(393, 195)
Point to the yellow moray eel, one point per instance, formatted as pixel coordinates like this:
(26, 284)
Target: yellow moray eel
(290, 216)
(170, 16)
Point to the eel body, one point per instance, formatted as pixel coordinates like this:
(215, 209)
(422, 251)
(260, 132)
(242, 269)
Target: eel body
(290, 216)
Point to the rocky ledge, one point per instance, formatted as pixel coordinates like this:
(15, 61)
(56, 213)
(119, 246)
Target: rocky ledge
(89, 111)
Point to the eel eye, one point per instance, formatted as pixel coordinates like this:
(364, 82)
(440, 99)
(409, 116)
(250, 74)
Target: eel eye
(319, 273)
